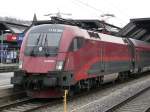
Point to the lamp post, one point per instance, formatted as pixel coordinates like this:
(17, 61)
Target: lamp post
(2, 46)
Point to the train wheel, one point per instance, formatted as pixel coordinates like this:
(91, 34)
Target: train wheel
(72, 91)
(88, 84)
(123, 76)
(17, 87)
(77, 88)
(139, 70)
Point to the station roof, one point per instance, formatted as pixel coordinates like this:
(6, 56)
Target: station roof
(138, 28)
(12, 27)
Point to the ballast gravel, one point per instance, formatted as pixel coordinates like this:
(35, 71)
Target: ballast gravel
(115, 98)
(104, 99)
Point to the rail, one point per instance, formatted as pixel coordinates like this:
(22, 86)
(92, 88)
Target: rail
(112, 101)
(15, 103)
(147, 110)
(128, 100)
(27, 105)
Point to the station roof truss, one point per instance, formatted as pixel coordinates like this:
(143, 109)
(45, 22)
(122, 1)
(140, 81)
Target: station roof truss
(12, 27)
(137, 28)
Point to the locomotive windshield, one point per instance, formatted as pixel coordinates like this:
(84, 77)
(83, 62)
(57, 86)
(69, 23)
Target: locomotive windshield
(43, 41)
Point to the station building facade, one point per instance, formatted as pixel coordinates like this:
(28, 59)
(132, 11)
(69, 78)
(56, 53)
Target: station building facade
(11, 36)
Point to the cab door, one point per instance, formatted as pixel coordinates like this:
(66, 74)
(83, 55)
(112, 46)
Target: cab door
(101, 56)
(77, 52)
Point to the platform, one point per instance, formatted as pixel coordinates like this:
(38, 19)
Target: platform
(5, 80)
(8, 67)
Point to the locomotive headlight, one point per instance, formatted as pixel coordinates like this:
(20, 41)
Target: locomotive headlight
(59, 65)
(20, 64)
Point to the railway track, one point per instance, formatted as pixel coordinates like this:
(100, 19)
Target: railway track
(30, 105)
(147, 110)
(137, 103)
(27, 105)
(106, 98)
(7, 95)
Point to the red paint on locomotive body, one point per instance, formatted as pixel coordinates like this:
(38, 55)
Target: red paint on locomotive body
(44, 64)
(78, 56)
(39, 65)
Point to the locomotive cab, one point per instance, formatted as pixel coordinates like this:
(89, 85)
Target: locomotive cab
(42, 58)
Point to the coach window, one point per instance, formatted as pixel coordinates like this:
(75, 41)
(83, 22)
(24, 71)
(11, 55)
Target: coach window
(77, 43)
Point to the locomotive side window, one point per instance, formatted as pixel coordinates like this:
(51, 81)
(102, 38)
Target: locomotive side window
(80, 42)
(77, 43)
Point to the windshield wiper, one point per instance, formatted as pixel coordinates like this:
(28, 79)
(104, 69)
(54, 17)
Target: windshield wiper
(49, 50)
(36, 43)
(38, 39)
(46, 46)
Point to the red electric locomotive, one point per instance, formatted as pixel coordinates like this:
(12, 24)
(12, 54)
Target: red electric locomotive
(55, 57)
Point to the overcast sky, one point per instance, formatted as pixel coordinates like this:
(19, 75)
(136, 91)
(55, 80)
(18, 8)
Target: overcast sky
(80, 9)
